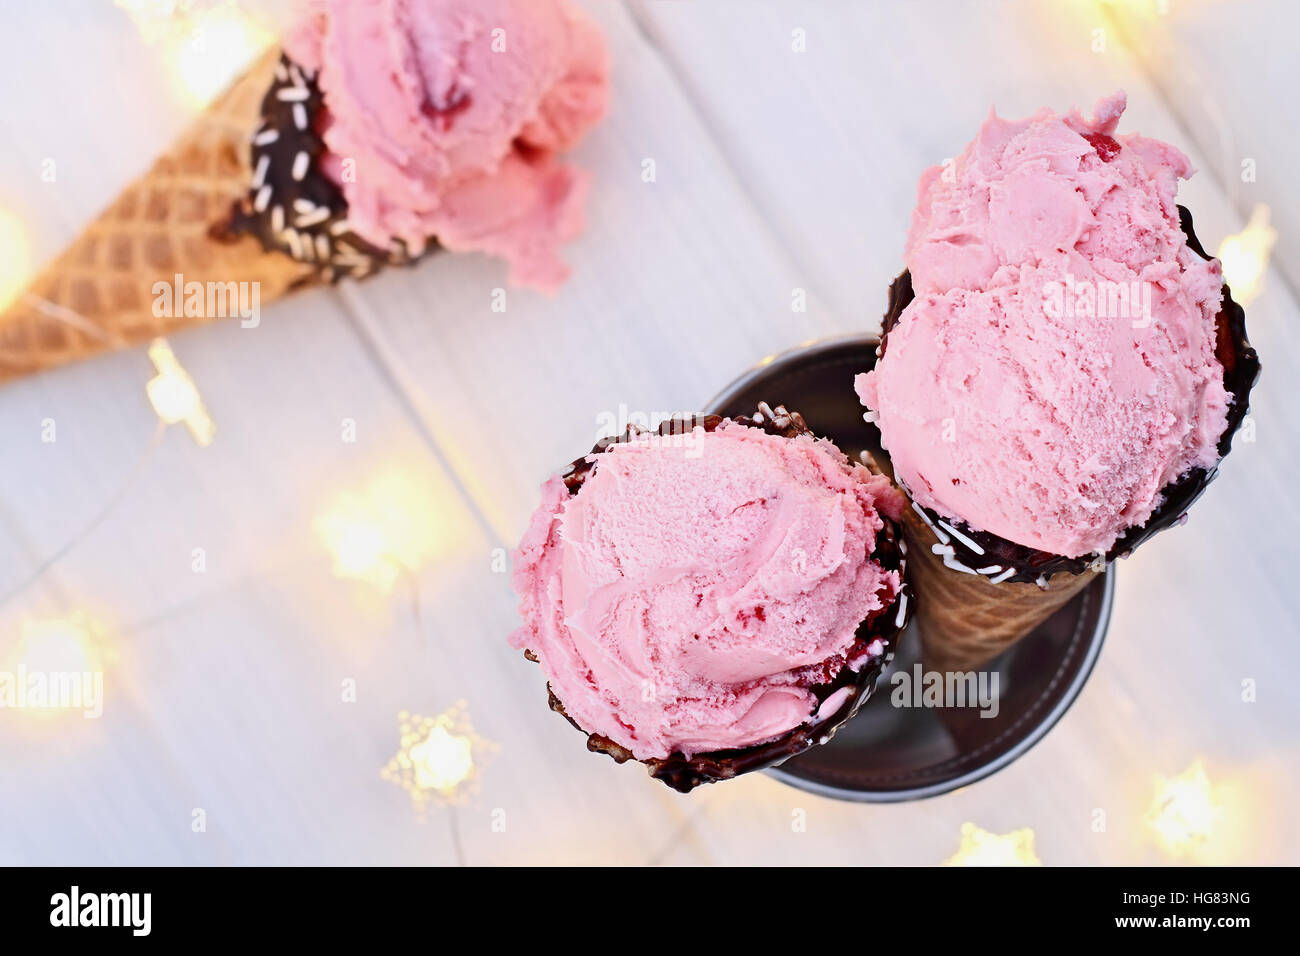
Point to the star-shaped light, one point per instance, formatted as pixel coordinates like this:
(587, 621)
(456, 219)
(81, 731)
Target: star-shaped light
(1184, 811)
(438, 758)
(175, 397)
(979, 847)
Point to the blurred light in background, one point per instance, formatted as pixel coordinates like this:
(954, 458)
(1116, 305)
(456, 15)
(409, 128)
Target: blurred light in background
(54, 657)
(390, 526)
(204, 45)
(1184, 812)
(73, 643)
(1144, 9)
(175, 397)
(981, 848)
(15, 257)
(1245, 256)
(438, 757)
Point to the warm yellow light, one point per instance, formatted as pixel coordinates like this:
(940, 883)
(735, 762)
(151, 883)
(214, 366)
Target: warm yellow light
(205, 46)
(153, 18)
(15, 258)
(443, 760)
(1184, 811)
(981, 848)
(1245, 256)
(376, 533)
(175, 397)
(67, 644)
(437, 756)
(1147, 9)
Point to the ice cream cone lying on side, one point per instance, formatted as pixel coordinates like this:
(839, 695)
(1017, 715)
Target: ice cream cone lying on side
(376, 135)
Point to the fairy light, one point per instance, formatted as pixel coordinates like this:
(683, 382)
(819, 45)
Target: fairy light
(205, 45)
(979, 847)
(175, 397)
(71, 643)
(1245, 256)
(376, 533)
(57, 666)
(15, 257)
(438, 757)
(1184, 811)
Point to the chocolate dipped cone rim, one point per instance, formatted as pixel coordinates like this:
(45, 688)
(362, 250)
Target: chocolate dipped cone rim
(292, 206)
(883, 627)
(976, 550)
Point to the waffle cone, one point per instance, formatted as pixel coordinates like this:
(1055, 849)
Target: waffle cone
(98, 293)
(967, 620)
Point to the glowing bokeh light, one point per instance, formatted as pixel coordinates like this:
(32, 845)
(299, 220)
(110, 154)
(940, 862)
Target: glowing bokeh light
(979, 847)
(438, 757)
(391, 526)
(1245, 256)
(174, 396)
(1184, 811)
(204, 45)
(15, 257)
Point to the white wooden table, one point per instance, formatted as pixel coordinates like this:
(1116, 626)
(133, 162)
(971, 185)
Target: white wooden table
(776, 170)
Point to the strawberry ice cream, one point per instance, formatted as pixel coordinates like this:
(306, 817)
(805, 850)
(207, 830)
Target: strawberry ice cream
(696, 591)
(1056, 370)
(443, 119)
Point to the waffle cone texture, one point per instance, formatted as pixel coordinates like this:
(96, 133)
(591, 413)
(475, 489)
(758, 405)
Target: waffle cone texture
(967, 620)
(98, 294)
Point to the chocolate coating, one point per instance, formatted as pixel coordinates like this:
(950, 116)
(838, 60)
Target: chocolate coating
(311, 222)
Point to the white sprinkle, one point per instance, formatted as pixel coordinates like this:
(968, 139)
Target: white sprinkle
(950, 558)
(266, 137)
(902, 610)
(263, 197)
(962, 538)
(277, 219)
(344, 256)
(1003, 576)
(293, 94)
(340, 227)
(313, 218)
(871, 417)
(301, 205)
(991, 569)
(300, 163)
(308, 249)
(295, 243)
(877, 647)
(323, 248)
(943, 538)
(259, 174)
(299, 116)
(1042, 581)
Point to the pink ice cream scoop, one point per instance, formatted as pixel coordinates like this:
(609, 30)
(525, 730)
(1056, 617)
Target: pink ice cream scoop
(444, 119)
(1056, 370)
(697, 590)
